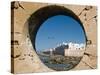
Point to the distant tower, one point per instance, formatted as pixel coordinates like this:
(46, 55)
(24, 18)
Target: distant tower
(51, 52)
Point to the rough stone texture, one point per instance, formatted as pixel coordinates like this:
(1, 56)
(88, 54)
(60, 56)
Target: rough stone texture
(24, 58)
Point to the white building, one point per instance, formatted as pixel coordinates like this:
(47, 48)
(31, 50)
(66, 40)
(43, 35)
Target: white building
(76, 46)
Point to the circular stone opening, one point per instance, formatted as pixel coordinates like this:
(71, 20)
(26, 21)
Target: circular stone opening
(58, 37)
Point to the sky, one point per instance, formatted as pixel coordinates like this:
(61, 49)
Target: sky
(58, 29)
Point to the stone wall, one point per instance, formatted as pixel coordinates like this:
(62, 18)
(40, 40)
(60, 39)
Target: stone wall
(75, 53)
(23, 55)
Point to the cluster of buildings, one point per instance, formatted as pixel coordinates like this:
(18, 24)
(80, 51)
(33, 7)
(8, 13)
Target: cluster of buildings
(76, 46)
(67, 49)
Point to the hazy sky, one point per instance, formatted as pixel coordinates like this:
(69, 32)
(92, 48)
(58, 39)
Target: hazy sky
(58, 29)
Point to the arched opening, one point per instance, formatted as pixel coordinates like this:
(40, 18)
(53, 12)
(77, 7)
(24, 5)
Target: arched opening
(40, 17)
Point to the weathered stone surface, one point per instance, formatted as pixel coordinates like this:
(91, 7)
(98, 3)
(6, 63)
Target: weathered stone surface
(24, 57)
